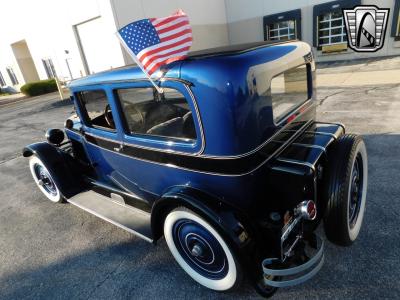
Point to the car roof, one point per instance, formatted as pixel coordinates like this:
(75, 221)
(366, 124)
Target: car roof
(233, 49)
(133, 72)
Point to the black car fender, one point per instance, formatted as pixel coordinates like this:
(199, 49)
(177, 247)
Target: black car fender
(232, 224)
(60, 165)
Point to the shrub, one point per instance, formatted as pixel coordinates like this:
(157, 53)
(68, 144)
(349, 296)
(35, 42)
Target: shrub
(39, 87)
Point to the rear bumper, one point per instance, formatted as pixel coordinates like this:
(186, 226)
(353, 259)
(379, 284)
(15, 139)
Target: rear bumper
(280, 274)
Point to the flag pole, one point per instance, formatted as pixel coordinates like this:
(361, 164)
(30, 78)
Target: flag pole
(159, 89)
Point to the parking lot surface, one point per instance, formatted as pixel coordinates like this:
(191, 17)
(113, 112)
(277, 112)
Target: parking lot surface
(57, 251)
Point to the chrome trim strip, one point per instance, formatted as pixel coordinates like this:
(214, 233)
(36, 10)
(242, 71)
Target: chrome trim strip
(310, 146)
(332, 123)
(79, 86)
(308, 123)
(205, 156)
(288, 142)
(111, 221)
(303, 145)
(297, 162)
(323, 133)
(199, 121)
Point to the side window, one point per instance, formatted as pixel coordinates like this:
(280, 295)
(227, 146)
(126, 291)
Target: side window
(288, 91)
(97, 109)
(148, 112)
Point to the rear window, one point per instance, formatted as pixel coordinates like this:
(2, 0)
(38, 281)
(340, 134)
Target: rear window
(289, 90)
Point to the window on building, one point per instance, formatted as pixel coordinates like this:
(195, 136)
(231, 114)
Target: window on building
(329, 26)
(150, 113)
(285, 30)
(331, 29)
(49, 68)
(2, 81)
(13, 77)
(97, 109)
(288, 91)
(283, 26)
(396, 21)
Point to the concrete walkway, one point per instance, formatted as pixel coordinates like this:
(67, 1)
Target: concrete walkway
(359, 78)
(359, 72)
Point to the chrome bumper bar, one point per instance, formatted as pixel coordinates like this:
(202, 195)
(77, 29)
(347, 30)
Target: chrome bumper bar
(298, 274)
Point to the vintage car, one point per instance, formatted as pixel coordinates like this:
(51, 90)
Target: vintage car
(227, 163)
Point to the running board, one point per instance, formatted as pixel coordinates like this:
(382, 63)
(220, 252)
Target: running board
(133, 220)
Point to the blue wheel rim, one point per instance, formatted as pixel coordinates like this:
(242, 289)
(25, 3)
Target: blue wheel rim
(200, 249)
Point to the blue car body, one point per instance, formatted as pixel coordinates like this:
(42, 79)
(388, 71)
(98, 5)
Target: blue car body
(231, 124)
(247, 167)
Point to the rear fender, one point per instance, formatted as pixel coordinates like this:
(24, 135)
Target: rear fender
(233, 225)
(60, 165)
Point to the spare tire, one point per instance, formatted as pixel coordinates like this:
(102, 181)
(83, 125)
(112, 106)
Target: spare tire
(345, 189)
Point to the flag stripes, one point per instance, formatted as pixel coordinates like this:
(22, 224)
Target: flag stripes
(158, 41)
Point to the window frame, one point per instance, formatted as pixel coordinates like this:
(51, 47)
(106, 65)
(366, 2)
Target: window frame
(282, 119)
(324, 8)
(85, 116)
(162, 143)
(125, 124)
(291, 15)
(395, 33)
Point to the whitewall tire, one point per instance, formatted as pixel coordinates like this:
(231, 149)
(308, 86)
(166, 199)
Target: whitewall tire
(44, 180)
(345, 189)
(200, 250)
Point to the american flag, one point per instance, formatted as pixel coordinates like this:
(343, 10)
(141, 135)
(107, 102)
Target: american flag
(157, 41)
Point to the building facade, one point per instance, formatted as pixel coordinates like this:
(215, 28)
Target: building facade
(71, 39)
(319, 23)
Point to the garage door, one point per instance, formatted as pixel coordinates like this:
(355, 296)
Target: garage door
(100, 46)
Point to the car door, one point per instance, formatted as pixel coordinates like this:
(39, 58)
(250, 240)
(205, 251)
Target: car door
(153, 124)
(99, 127)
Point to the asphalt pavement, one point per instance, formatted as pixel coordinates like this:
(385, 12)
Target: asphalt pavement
(57, 251)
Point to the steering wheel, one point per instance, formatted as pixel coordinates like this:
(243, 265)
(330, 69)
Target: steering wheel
(109, 117)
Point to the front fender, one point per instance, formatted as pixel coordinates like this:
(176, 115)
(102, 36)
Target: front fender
(233, 225)
(60, 165)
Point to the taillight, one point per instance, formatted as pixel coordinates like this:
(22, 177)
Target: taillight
(307, 210)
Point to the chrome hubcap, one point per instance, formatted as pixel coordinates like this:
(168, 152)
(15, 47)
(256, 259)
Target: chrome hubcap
(197, 250)
(200, 249)
(45, 180)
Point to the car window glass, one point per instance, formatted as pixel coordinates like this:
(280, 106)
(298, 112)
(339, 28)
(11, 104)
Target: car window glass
(148, 112)
(97, 108)
(288, 91)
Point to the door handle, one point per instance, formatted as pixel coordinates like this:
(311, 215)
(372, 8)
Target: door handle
(120, 148)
